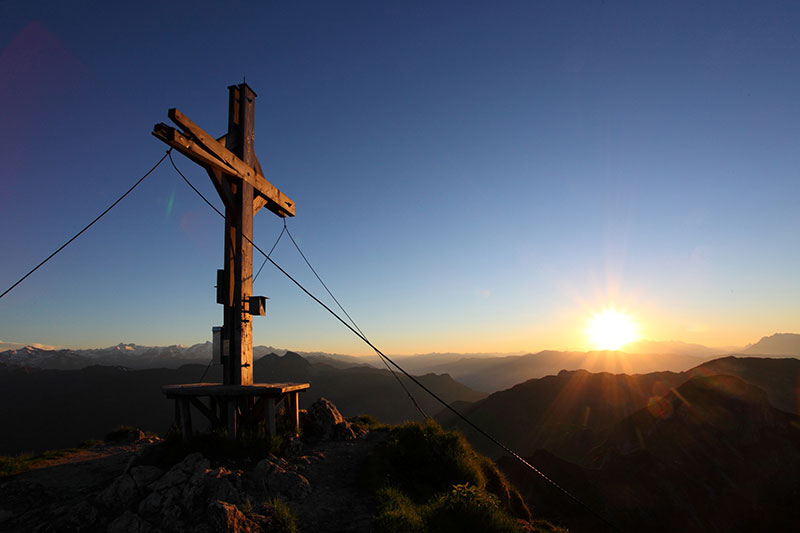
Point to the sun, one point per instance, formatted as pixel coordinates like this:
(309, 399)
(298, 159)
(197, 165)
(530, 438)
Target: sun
(611, 330)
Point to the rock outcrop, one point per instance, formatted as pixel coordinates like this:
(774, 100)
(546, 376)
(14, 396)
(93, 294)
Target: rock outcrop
(323, 421)
(200, 493)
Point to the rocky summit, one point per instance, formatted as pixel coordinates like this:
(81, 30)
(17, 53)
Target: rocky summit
(114, 488)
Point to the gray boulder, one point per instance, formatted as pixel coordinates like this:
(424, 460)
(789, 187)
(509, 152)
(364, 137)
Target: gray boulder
(144, 475)
(323, 421)
(120, 494)
(273, 477)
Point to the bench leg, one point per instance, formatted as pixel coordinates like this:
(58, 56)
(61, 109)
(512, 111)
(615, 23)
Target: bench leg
(293, 411)
(230, 405)
(212, 407)
(186, 420)
(177, 413)
(269, 417)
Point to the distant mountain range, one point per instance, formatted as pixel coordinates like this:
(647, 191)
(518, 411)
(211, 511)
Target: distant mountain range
(676, 348)
(127, 355)
(47, 408)
(493, 374)
(787, 344)
(486, 372)
(135, 356)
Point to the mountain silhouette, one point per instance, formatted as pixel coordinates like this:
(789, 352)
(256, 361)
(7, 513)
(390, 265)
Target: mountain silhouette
(571, 412)
(714, 455)
(567, 412)
(498, 373)
(45, 409)
(673, 347)
(779, 378)
(777, 344)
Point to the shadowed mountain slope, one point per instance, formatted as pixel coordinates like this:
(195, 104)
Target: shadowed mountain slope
(714, 455)
(570, 413)
(780, 377)
(567, 412)
(363, 389)
(54, 409)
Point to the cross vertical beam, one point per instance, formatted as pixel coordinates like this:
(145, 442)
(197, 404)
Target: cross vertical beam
(239, 180)
(237, 326)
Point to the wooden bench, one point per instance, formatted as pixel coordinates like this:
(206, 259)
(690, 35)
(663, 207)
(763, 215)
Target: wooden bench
(228, 404)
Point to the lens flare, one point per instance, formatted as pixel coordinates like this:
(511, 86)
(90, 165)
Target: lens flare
(170, 203)
(611, 329)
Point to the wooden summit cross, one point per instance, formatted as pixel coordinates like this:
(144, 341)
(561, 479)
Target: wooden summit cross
(234, 170)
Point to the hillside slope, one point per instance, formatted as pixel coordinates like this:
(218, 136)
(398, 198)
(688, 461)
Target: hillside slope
(53, 408)
(570, 413)
(713, 456)
(779, 378)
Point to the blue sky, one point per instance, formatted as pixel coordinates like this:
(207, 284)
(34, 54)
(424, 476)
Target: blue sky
(469, 176)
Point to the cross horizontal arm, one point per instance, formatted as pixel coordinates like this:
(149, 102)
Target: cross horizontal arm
(203, 149)
(189, 148)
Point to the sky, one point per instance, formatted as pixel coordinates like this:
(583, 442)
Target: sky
(469, 176)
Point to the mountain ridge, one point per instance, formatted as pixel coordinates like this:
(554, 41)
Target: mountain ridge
(569, 412)
(713, 439)
(71, 410)
(776, 344)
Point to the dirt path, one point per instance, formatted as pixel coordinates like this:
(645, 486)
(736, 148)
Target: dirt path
(63, 483)
(57, 494)
(337, 503)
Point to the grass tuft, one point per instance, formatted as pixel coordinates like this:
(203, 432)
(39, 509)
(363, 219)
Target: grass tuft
(284, 520)
(422, 460)
(463, 508)
(253, 444)
(397, 513)
(367, 422)
(469, 508)
(429, 479)
(12, 465)
(119, 433)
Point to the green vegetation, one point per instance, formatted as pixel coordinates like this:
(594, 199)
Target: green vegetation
(119, 433)
(284, 519)
(12, 465)
(252, 444)
(429, 479)
(368, 422)
(397, 513)
(463, 508)
(421, 460)
(125, 432)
